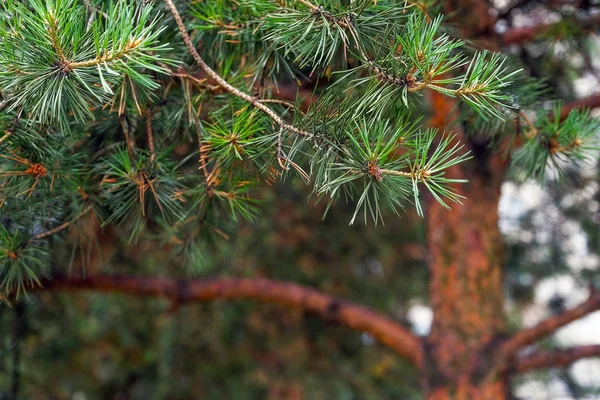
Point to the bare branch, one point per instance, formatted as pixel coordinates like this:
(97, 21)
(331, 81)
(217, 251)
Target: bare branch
(384, 329)
(555, 358)
(549, 326)
(150, 134)
(63, 226)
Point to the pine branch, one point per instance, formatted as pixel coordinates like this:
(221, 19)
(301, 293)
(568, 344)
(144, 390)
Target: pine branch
(554, 358)
(385, 330)
(550, 139)
(223, 83)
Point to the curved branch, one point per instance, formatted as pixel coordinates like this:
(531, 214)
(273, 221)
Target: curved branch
(385, 330)
(555, 358)
(548, 326)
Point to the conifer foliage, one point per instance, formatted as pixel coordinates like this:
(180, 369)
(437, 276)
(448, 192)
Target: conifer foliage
(162, 118)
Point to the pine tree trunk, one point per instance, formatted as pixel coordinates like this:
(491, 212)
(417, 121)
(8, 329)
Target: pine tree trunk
(465, 264)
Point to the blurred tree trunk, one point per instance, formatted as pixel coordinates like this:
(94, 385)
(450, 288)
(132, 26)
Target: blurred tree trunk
(465, 265)
(465, 255)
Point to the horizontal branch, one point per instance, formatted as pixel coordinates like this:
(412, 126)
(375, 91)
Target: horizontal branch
(587, 102)
(382, 328)
(554, 358)
(549, 326)
(528, 33)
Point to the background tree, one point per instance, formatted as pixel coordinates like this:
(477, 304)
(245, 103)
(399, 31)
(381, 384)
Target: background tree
(102, 116)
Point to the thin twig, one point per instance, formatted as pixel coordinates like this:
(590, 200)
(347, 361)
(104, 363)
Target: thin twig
(6, 136)
(203, 157)
(91, 8)
(92, 11)
(281, 158)
(402, 173)
(200, 82)
(128, 138)
(10, 130)
(61, 227)
(104, 150)
(308, 4)
(284, 160)
(532, 133)
(150, 134)
(226, 85)
(283, 102)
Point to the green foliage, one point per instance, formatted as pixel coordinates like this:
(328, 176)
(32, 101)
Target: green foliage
(55, 67)
(105, 111)
(556, 143)
(20, 265)
(141, 191)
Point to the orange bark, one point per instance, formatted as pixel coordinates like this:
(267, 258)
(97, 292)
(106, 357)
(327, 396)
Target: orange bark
(465, 262)
(464, 390)
(382, 328)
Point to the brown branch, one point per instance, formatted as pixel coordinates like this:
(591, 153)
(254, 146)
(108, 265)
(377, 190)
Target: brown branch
(150, 134)
(587, 102)
(385, 330)
(555, 358)
(528, 33)
(128, 139)
(548, 326)
(63, 226)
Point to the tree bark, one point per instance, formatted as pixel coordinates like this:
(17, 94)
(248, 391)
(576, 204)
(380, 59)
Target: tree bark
(468, 354)
(387, 331)
(555, 358)
(465, 265)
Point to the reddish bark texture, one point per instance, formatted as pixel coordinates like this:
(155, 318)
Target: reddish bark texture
(465, 261)
(466, 356)
(384, 329)
(465, 254)
(555, 358)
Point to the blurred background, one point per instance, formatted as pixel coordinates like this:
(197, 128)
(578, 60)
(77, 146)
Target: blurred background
(102, 346)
